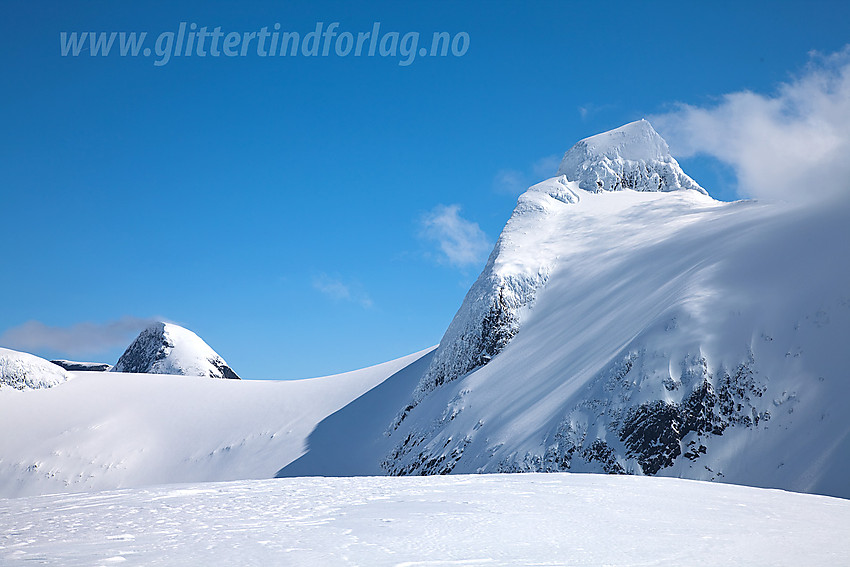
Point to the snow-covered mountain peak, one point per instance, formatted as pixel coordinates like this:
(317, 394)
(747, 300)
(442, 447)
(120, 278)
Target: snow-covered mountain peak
(23, 371)
(166, 348)
(633, 156)
(634, 141)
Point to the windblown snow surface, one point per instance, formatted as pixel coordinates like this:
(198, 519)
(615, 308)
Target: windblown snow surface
(487, 520)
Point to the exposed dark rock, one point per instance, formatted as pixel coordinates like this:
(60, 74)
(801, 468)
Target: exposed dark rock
(652, 434)
(166, 348)
(599, 451)
(83, 366)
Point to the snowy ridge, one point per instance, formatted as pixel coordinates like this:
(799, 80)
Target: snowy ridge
(493, 309)
(633, 157)
(166, 348)
(23, 371)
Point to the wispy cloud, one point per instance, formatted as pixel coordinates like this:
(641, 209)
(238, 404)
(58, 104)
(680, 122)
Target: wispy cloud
(461, 242)
(792, 145)
(80, 339)
(590, 109)
(338, 290)
(515, 181)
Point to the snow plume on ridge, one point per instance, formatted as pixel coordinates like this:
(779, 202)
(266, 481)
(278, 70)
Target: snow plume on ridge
(166, 348)
(791, 145)
(462, 242)
(80, 339)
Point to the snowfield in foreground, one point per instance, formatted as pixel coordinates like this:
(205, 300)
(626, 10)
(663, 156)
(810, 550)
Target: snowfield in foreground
(518, 519)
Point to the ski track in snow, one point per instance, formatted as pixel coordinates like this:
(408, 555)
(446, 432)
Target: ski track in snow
(493, 520)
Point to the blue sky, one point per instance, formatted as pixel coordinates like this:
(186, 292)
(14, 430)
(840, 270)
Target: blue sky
(312, 215)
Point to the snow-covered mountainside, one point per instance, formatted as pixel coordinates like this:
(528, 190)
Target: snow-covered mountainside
(645, 332)
(632, 157)
(105, 430)
(166, 348)
(490, 520)
(23, 371)
(82, 366)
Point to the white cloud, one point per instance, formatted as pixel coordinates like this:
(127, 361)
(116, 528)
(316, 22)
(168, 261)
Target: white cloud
(462, 242)
(340, 291)
(791, 145)
(80, 339)
(514, 181)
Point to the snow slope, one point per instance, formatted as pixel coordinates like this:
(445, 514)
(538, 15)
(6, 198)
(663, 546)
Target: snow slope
(646, 332)
(351, 441)
(492, 520)
(105, 430)
(166, 348)
(23, 371)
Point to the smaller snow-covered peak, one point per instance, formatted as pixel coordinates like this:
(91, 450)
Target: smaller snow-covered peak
(633, 156)
(166, 348)
(23, 371)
